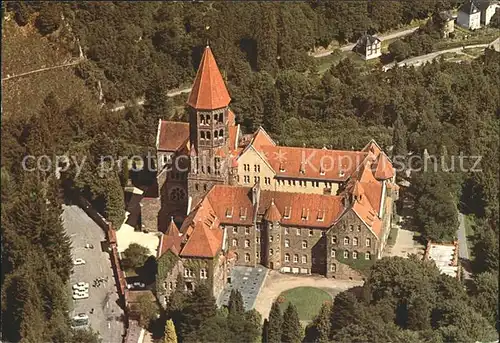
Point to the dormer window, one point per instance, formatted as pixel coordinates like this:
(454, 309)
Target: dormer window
(341, 173)
(321, 171)
(305, 214)
(229, 212)
(282, 168)
(288, 211)
(302, 169)
(243, 213)
(321, 215)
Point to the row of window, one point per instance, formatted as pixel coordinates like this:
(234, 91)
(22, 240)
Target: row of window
(256, 168)
(368, 241)
(235, 230)
(206, 135)
(296, 258)
(303, 183)
(354, 254)
(247, 256)
(190, 273)
(256, 179)
(298, 231)
(205, 119)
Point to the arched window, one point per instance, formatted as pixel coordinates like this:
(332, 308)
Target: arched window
(304, 259)
(287, 257)
(208, 119)
(334, 239)
(247, 257)
(235, 242)
(333, 252)
(236, 257)
(295, 258)
(221, 133)
(247, 243)
(203, 273)
(221, 117)
(355, 241)
(368, 242)
(346, 254)
(271, 252)
(216, 134)
(367, 256)
(209, 136)
(202, 135)
(287, 243)
(202, 119)
(304, 244)
(355, 255)
(177, 194)
(346, 240)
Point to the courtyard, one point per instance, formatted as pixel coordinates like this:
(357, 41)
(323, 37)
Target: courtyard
(276, 283)
(308, 301)
(248, 281)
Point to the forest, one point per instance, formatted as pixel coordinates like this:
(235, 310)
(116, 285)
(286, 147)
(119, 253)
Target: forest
(146, 49)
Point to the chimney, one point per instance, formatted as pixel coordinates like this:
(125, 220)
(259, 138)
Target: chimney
(255, 201)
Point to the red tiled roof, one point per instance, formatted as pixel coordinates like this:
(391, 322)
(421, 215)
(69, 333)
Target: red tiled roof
(233, 205)
(233, 136)
(261, 138)
(172, 135)
(209, 91)
(373, 147)
(231, 120)
(272, 213)
(308, 163)
(171, 240)
(293, 206)
(384, 169)
(204, 242)
(365, 211)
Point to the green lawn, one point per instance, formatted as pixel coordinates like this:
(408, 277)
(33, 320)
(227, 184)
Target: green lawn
(308, 301)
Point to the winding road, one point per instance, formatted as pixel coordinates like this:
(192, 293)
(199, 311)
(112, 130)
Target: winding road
(349, 47)
(419, 60)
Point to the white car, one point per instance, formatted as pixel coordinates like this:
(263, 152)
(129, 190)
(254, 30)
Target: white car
(136, 285)
(79, 261)
(80, 295)
(81, 286)
(80, 320)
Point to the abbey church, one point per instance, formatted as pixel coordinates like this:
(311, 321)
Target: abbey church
(229, 198)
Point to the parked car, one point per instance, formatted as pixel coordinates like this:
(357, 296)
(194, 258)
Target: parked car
(80, 295)
(78, 261)
(80, 320)
(136, 285)
(81, 286)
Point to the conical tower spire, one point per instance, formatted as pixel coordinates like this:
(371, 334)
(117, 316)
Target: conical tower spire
(209, 91)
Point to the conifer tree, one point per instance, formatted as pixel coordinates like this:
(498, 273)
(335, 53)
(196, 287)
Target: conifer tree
(170, 335)
(199, 307)
(321, 325)
(115, 202)
(275, 323)
(399, 137)
(235, 304)
(291, 330)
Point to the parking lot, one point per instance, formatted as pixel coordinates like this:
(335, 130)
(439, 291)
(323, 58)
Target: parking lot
(248, 281)
(107, 315)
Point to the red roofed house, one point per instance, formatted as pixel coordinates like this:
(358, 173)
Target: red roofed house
(244, 200)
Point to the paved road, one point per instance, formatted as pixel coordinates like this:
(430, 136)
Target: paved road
(419, 60)
(140, 101)
(107, 314)
(463, 251)
(349, 47)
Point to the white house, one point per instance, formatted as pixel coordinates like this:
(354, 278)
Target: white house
(487, 9)
(368, 47)
(469, 15)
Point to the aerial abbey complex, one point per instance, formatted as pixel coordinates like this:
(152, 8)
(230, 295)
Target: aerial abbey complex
(229, 198)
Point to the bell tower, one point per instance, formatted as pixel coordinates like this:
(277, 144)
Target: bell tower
(208, 129)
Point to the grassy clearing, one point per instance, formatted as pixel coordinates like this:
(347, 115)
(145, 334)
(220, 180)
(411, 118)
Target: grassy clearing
(326, 62)
(308, 301)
